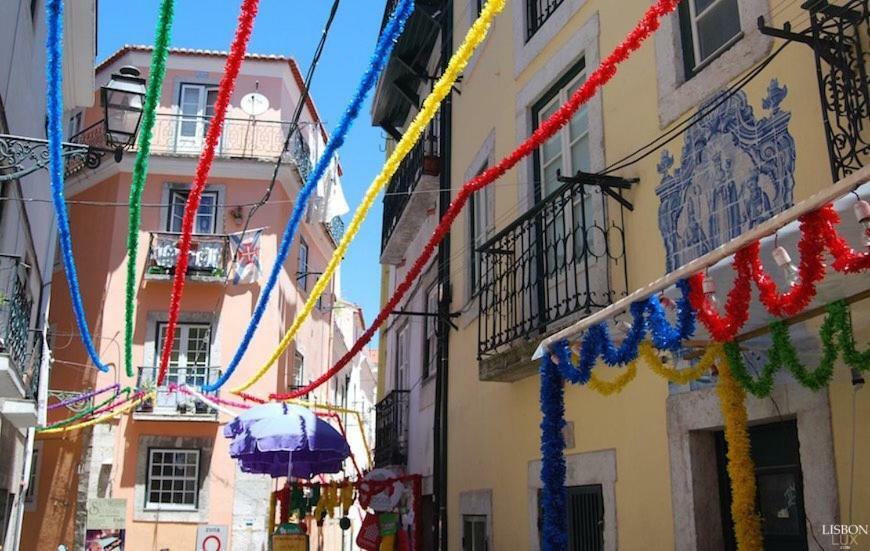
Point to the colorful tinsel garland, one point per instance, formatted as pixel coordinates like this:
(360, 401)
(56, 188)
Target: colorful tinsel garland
(741, 469)
(645, 28)
(836, 341)
(554, 535)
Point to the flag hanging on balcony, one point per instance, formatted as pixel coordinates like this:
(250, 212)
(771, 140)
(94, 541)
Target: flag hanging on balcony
(246, 251)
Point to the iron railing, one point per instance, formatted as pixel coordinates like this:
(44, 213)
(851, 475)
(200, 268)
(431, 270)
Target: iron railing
(171, 401)
(537, 12)
(391, 429)
(18, 339)
(425, 158)
(176, 134)
(556, 262)
(208, 260)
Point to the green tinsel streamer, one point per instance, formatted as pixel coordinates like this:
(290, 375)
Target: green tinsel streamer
(140, 169)
(836, 339)
(84, 413)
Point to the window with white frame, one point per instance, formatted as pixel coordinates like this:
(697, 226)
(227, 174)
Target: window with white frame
(707, 28)
(302, 265)
(481, 223)
(190, 356)
(402, 358)
(474, 533)
(196, 104)
(566, 153)
(298, 370)
(173, 479)
(430, 331)
(206, 216)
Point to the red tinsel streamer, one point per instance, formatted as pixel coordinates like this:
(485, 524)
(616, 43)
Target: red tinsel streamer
(818, 232)
(736, 306)
(811, 270)
(846, 259)
(643, 30)
(228, 83)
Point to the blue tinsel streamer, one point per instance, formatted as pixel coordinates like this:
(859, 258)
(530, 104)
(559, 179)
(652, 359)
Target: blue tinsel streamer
(54, 129)
(648, 316)
(386, 41)
(554, 531)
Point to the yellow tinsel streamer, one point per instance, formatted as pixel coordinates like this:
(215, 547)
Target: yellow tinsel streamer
(96, 420)
(713, 354)
(741, 469)
(476, 34)
(608, 388)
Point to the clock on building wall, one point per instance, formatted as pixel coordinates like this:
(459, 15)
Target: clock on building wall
(255, 104)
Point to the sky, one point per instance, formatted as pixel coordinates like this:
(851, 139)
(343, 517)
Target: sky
(290, 28)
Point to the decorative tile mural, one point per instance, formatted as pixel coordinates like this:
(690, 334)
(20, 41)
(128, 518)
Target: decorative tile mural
(736, 171)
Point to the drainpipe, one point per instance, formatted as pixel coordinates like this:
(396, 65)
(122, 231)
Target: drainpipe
(439, 467)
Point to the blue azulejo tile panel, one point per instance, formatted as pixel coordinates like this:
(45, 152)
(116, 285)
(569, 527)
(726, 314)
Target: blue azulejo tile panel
(736, 171)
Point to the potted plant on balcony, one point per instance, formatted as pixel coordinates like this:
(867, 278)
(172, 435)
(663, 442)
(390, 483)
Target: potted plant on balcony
(147, 405)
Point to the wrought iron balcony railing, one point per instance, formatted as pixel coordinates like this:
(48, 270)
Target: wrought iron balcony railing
(537, 12)
(184, 136)
(18, 340)
(557, 262)
(391, 429)
(423, 159)
(208, 261)
(169, 400)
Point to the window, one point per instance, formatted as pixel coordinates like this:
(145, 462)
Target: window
(33, 481)
(196, 108)
(585, 509)
(775, 450)
(430, 332)
(402, 358)
(206, 215)
(566, 153)
(74, 125)
(538, 11)
(481, 223)
(189, 360)
(173, 479)
(302, 265)
(298, 370)
(34, 9)
(474, 533)
(707, 28)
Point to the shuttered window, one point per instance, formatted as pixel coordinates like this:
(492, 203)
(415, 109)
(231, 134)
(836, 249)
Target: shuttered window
(585, 509)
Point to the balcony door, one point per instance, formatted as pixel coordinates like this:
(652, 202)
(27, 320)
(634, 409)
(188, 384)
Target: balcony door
(196, 108)
(189, 361)
(571, 242)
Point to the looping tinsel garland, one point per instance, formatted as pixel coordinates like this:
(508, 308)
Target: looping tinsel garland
(713, 355)
(554, 531)
(818, 233)
(617, 385)
(741, 469)
(212, 136)
(836, 341)
(648, 316)
(54, 131)
(598, 78)
(386, 41)
(140, 170)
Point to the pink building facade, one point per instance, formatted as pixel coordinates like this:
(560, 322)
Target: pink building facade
(168, 462)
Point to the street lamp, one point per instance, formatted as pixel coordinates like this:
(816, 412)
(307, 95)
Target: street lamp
(122, 108)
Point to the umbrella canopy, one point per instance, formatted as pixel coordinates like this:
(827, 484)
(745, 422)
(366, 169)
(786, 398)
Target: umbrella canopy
(277, 439)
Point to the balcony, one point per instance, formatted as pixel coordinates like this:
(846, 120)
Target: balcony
(208, 260)
(174, 405)
(184, 136)
(20, 345)
(412, 192)
(557, 263)
(391, 429)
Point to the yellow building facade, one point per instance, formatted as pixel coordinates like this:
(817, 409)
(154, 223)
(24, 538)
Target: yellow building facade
(648, 455)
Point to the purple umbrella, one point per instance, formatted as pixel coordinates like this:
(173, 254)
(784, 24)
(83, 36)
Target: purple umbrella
(281, 439)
